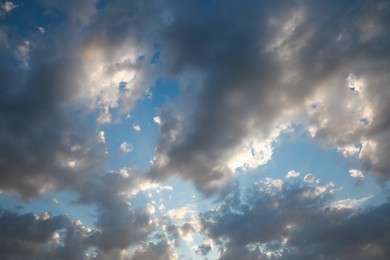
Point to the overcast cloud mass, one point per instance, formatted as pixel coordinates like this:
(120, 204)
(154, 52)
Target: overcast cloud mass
(161, 129)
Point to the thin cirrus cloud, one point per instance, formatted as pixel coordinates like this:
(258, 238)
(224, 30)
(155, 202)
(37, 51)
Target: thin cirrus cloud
(250, 73)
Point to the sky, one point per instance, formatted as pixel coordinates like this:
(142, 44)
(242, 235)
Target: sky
(194, 129)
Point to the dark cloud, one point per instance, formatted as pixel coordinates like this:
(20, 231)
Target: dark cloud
(249, 67)
(42, 148)
(296, 222)
(49, 88)
(47, 143)
(159, 251)
(28, 235)
(203, 249)
(246, 69)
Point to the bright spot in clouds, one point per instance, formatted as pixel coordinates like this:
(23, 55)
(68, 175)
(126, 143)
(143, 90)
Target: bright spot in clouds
(157, 120)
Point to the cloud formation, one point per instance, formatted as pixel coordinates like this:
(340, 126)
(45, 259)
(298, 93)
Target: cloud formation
(248, 73)
(249, 70)
(295, 222)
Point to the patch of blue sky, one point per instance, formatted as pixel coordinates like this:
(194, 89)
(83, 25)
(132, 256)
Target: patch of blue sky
(144, 141)
(29, 15)
(63, 203)
(297, 151)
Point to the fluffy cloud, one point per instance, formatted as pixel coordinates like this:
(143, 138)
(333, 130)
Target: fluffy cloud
(309, 178)
(137, 128)
(292, 174)
(357, 174)
(42, 236)
(249, 69)
(48, 79)
(8, 6)
(159, 251)
(289, 224)
(248, 72)
(126, 147)
(157, 120)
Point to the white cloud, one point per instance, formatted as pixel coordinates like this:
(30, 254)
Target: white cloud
(41, 29)
(349, 203)
(358, 174)
(309, 178)
(179, 213)
(157, 120)
(126, 147)
(292, 174)
(8, 6)
(137, 128)
(349, 150)
(102, 137)
(150, 209)
(255, 151)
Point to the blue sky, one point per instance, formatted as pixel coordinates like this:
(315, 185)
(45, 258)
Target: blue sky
(194, 129)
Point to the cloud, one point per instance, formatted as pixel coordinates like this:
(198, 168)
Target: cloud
(248, 69)
(204, 248)
(157, 120)
(159, 251)
(52, 82)
(350, 203)
(41, 29)
(357, 174)
(292, 174)
(309, 178)
(8, 6)
(257, 223)
(137, 128)
(39, 137)
(102, 137)
(28, 235)
(126, 147)
(249, 72)
(180, 213)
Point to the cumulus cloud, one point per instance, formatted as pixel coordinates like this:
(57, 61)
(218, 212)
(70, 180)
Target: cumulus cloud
(126, 147)
(258, 224)
(157, 120)
(292, 174)
(309, 178)
(137, 128)
(247, 70)
(41, 236)
(47, 81)
(248, 73)
(358, 174)
(159, 251)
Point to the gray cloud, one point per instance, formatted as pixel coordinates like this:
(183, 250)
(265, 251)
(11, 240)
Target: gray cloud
(28, 235)
(294, 221)
(48, 89)
(250, 67)
(42, 148)
(159, 251)
(246, 69)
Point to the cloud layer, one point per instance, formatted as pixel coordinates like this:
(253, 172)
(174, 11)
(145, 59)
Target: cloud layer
(248, 73)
